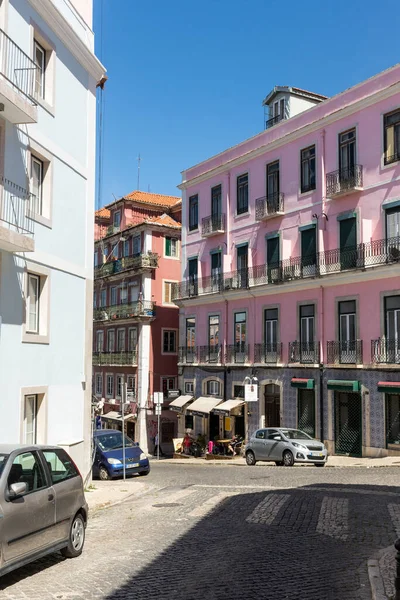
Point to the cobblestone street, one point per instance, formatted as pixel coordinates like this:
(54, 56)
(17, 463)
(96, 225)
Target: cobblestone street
(228, 532)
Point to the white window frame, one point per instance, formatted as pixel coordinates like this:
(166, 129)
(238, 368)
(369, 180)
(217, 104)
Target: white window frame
(37, 196)
(40, 71)
(40, 333)
(164, 301)
(40, 205)
(33, 302)
(189, 387)
(217, 386)
(45, 96)
(119, 332)
(109, 380)
(119, 382)
(99, 384)
(110, 333)
(32, 398)
(130, 349)
(100, 345)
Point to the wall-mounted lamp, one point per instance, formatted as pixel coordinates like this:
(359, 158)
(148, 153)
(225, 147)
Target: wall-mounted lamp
(323, 214)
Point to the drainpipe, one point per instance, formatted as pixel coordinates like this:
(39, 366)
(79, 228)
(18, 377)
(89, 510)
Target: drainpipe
(321, 368)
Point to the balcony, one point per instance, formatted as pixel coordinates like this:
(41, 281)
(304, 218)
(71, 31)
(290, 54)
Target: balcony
(16, 228)
(115, 359)
(304, 352)
(210, 354)
(385, 351)
(17, 79)
(347, 352)
(362, 256)
(237, 354)
(270, 206)
(344, 181)
(274, 121)
(268, 354)
(143, 262)
(188, 355)
(135, 311)
(213, 225)
(392, 158)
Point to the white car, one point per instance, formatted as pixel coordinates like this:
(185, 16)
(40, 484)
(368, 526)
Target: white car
(285, 447)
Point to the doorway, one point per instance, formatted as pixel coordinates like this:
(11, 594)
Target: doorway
(214, 425)
(272, 396)
(306, 411)
(348, 423)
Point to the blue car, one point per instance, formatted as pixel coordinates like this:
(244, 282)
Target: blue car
(108, 458)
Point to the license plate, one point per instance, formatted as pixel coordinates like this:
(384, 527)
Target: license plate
(317, 454)
(132, 466)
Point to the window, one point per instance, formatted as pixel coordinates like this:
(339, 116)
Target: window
(169, 341)
(33, 303)
(213, 332)
(307, 169)
(132, 340)
(168, 292)
(127, 244)
(36, 185)
(347, 153)
(121, 340)
(168, 383)
(347, 331)
(240, 331)
(99, 384)
(123, 295)
(27, 468)
(242, 194)
(272, 184)
(192, 272)
(115, 251)
(242, 253)
(171, 247)
(190, 333)
(392, 328)
(271, 329)
(117, 220)
(213, 388)
(238, 391)
(40, 62)
(132, 384)
(120, 383)
(189, 422)
(136, 245)
(282, 108)
(60, 465)
(189, 387)
(307, 324)
(103, 298)
(308, 250)
(216, 201)
(216, 271)
(110, 386)
(30, 419)
(110, 340)
(99, 341)
(392, 137)
(113, 296)
(193, 212)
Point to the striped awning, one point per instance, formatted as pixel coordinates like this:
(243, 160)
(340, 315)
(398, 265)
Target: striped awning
(344, 385)
(301, 382)
(390, 387)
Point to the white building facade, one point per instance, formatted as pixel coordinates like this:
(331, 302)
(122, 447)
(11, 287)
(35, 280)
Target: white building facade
(48, 77)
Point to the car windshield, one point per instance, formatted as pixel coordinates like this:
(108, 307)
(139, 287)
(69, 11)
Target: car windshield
(295, 434)
(3, 460)
(112, 441)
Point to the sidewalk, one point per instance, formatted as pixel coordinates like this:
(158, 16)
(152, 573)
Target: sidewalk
(103, 494)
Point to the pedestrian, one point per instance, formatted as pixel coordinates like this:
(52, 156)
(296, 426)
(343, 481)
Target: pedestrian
(156, 445)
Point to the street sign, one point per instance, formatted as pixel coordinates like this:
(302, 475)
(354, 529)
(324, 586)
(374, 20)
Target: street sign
(172, 394)
(158, 409)
(158, 397)
(130, 394)
(250, 392)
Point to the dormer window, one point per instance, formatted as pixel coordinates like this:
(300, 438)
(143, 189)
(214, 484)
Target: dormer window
(117, 219)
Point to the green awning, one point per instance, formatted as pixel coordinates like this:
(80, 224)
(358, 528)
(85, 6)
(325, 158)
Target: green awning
(389, 387)
(301, 382)
(344, 385)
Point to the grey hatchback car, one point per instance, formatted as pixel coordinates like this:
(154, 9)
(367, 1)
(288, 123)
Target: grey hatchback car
(285, 447)
(42, 505)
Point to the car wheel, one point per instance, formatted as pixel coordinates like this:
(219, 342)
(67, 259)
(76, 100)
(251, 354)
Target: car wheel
(319, 464)
(279, 463)
(288, 460)
(143, 473)
(250, 458)
(76, 538)
(103, 474)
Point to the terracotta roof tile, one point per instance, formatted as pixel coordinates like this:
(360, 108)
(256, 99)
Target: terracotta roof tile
(103, 212)
(164, 220)
(149, 198)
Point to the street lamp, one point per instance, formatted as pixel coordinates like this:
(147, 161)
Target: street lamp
(249, 380)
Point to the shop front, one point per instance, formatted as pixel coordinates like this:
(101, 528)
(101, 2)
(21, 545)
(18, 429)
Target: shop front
(231, 418)
(206, 422)
(348, 428)
(305, 404)
(391, 391)
(113, 420)
(179, 406)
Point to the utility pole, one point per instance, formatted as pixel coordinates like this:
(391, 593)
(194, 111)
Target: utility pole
(124, 396)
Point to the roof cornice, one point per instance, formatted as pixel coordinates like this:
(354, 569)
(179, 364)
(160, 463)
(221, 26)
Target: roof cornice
(68, 36)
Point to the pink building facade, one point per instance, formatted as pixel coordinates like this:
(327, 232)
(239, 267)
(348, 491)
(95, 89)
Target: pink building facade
(290, 271)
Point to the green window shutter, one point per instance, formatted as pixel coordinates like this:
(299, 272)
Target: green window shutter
(167, 246)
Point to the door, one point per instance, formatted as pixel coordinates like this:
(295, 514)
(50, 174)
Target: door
(214, 426)
(347, 155)
(216, 208)
(259, 444)
(240, 355)
(273, 259)
(216, 272)
(271, 335)
(348, 243)
(242, 265)
(347, 332)
(306, 411)
(308, 252)
(192, 268)
(272, 398)
(307, 347)
(392, 406)
(273, 446)
(348, 424)
(28, 523)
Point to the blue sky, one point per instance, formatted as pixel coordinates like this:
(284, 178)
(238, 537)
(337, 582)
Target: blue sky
(187, 78)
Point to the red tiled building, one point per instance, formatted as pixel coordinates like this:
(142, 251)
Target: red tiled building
(137, 261)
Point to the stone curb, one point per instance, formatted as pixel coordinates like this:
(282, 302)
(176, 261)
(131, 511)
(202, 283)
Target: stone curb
(235, 463)
(102, 505)
(376, 580)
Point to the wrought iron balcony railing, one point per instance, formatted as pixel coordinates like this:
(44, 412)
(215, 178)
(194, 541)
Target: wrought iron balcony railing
(274, 120)
(210, 354)
(270, 353)
(188, 355)
(17, 67)
(237, 353)
(344, 180)
(385, 351)
(213, 224)
(392, 158)
(304, 352)
(15, 205)
(132, 310)
(127, 263)
(269, 206)
(362, 256)
(346, 352)
(115, 358)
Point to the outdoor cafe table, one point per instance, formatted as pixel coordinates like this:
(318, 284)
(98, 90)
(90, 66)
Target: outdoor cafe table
(224, 443)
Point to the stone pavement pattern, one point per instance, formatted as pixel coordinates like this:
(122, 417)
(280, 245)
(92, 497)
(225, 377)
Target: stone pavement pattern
(228, 533)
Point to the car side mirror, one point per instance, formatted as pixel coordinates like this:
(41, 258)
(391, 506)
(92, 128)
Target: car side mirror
(17, 489)
(278, 438)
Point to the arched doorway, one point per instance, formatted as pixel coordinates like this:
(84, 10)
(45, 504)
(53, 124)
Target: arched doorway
(272, 395)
